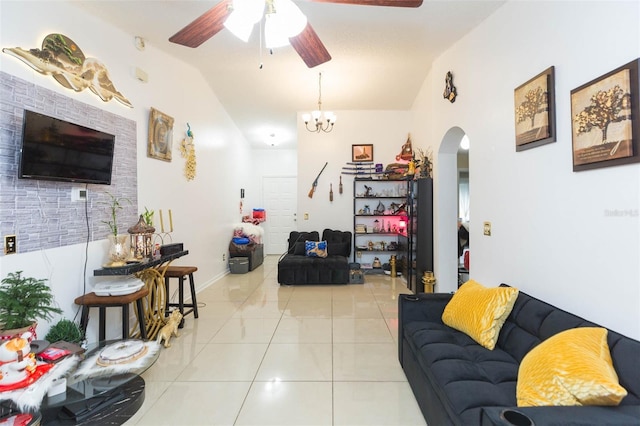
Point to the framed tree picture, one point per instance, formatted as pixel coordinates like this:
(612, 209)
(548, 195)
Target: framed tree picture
(361, 153)
(160, 135)
(604, 120)
(535, 111)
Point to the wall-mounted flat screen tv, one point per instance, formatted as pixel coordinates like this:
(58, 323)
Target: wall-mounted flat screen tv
(54, 149)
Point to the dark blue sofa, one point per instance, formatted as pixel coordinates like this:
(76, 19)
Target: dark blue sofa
(458, 382)
(294, 268)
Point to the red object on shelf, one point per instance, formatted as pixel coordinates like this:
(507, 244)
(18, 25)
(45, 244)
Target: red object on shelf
(260, 215)
(466, 260)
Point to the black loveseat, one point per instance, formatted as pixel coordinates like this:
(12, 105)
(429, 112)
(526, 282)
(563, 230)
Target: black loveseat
(457, 381)
(296, 268)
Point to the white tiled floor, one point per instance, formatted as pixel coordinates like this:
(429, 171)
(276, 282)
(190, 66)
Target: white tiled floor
(265, 354)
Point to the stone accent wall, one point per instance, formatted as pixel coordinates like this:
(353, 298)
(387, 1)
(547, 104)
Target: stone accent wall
(41, 213)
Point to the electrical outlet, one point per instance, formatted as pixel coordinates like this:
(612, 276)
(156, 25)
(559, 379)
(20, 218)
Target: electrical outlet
(10, 244)
(487, 229)
(306, 216)
(224, 257)
(79, 194)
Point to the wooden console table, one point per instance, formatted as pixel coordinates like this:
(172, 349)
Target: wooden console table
(151, 272)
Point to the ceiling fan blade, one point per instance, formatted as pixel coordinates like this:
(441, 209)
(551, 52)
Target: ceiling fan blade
(309, 47)
(390, 3)
(204, 27)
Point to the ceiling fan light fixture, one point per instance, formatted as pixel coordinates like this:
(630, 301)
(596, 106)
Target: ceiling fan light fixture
(245, 14)
(274, 36)
(283, 20)
(291, 17)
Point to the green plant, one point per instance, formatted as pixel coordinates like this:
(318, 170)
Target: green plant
(148, 216)
(113, 205)
(66, 330)
(23, 300)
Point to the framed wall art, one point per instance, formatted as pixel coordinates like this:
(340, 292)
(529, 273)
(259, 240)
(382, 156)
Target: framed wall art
(160, 135)
(604, 120)
(535, 111)
(361, 153)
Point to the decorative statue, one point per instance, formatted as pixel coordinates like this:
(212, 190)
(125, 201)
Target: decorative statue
(406, 153)
(170, 329)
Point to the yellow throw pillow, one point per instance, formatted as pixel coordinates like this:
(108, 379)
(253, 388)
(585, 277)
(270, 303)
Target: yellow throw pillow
(573, 367)
(479, 311)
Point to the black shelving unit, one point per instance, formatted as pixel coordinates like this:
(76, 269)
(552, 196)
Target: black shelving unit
(375, 226)
(420, 246)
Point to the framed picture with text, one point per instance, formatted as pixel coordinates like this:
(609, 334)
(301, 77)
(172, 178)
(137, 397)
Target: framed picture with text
(535, 111)
(604, 120)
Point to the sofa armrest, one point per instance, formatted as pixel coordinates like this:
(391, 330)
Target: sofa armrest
(422, 307)
(419, 307)
(583, 415)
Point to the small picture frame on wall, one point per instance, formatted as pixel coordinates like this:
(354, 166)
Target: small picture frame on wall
(362, 153)
(604, 120)
(535, 116)
(160, 135)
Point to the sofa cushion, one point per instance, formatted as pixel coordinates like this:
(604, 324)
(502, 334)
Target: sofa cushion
(299, 248)
(339, 242)
(479, 311)
(466, 375)
(315, 248)
(339, 249)
(573, 367)
(301, 237)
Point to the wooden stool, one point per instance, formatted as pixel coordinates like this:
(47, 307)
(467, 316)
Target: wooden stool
(181, 272)
(91, 300)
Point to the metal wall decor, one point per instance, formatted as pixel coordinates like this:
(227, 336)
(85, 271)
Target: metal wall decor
(61, 58)
(188, 151)
(450, 91)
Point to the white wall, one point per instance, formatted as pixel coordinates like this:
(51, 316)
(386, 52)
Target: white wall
(203, 209)
(552, 236)
(386, 130)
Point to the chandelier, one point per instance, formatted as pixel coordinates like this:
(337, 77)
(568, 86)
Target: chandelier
(322, 121)
(283, 20)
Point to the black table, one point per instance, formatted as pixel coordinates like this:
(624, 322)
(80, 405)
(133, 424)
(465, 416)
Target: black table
(132, 268)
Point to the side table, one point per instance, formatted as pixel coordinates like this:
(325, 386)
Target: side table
(91, 300)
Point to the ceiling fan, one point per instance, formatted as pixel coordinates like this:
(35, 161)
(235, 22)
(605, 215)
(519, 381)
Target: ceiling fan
(305, 41)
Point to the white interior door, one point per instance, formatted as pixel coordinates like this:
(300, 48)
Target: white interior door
(280, 202)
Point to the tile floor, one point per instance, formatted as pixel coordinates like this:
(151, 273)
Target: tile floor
(265, 354)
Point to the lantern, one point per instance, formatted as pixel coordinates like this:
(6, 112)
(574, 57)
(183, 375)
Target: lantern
(141, 246)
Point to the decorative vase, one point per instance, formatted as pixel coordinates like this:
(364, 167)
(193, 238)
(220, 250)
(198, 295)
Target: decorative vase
(118, 248)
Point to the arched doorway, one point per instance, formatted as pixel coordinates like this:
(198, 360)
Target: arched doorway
(446, 211)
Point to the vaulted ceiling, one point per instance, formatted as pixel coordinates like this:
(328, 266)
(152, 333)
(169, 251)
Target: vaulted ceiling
(380, 57)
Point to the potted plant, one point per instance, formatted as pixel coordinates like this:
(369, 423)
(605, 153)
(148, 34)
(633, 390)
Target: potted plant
(118, 252)
(65, 330)
(24, 300)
